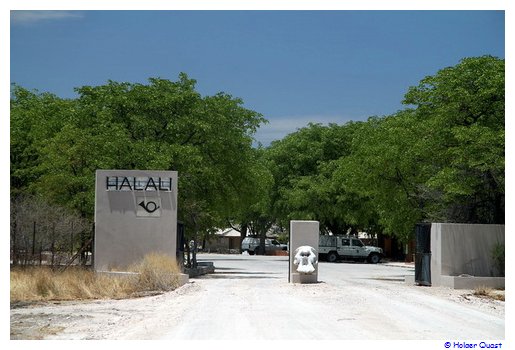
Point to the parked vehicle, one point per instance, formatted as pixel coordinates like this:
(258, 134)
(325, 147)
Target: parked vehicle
(253, 246)
(333, 248)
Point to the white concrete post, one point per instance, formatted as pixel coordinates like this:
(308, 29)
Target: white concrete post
(303, 233)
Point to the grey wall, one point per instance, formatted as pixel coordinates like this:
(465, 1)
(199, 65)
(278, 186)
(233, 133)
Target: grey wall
(463, 249)
(303, 233)
(124, 231)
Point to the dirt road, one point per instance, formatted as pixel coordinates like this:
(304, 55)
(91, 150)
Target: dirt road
(249, 298)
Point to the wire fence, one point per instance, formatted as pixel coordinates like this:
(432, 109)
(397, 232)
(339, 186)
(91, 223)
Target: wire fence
(45, 234)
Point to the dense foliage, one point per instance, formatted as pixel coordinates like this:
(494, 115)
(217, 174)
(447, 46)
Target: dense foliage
(440, 159)
(57, 145)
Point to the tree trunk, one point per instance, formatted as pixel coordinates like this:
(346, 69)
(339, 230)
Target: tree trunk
(262, 245)
(243, 234)
(188, 256)
(499, 211)
(498, 200)
(194, 253)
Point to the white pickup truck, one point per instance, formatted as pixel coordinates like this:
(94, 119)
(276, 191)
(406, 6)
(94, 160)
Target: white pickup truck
(332, 248)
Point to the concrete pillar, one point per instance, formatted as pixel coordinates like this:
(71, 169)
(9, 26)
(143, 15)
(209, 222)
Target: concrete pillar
(461, 255)
(303, 233)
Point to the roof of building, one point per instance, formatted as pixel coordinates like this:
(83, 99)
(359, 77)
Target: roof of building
(228, 232)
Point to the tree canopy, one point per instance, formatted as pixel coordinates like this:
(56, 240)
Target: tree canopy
(439, 159)
(57, 145)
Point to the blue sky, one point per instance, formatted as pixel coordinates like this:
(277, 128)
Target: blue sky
(294, 67)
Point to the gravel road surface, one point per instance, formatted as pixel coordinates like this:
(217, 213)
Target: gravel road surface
(249, 298)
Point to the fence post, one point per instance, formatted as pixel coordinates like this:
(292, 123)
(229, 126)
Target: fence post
(34, 239)
(92, 245)
(71, 240)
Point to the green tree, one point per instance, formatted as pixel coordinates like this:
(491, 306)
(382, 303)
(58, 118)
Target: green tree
(163, 125)
(462, 109)
(303, 165)
(254, 212)
(34, 119)
(440, 161)
(387, 171)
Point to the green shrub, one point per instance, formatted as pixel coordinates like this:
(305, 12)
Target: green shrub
(498, 258)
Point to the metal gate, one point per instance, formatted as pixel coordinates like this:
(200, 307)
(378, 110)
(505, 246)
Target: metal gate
(423, 254)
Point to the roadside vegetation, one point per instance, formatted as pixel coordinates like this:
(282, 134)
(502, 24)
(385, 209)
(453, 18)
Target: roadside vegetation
(155, 273)
(489, 293)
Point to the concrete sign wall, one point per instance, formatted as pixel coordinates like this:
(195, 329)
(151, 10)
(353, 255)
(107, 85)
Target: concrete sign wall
(461, 255)
(135, 214)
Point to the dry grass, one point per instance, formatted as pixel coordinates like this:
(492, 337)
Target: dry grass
(486, 292)
(156, 272)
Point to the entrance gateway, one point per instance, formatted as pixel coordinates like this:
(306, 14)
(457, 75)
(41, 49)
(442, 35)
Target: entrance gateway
(135, 215)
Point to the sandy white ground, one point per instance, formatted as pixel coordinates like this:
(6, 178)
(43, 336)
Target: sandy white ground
(249, 298)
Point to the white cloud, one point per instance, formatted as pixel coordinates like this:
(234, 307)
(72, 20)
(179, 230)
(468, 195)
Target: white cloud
(28, 17)
(278, 128)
